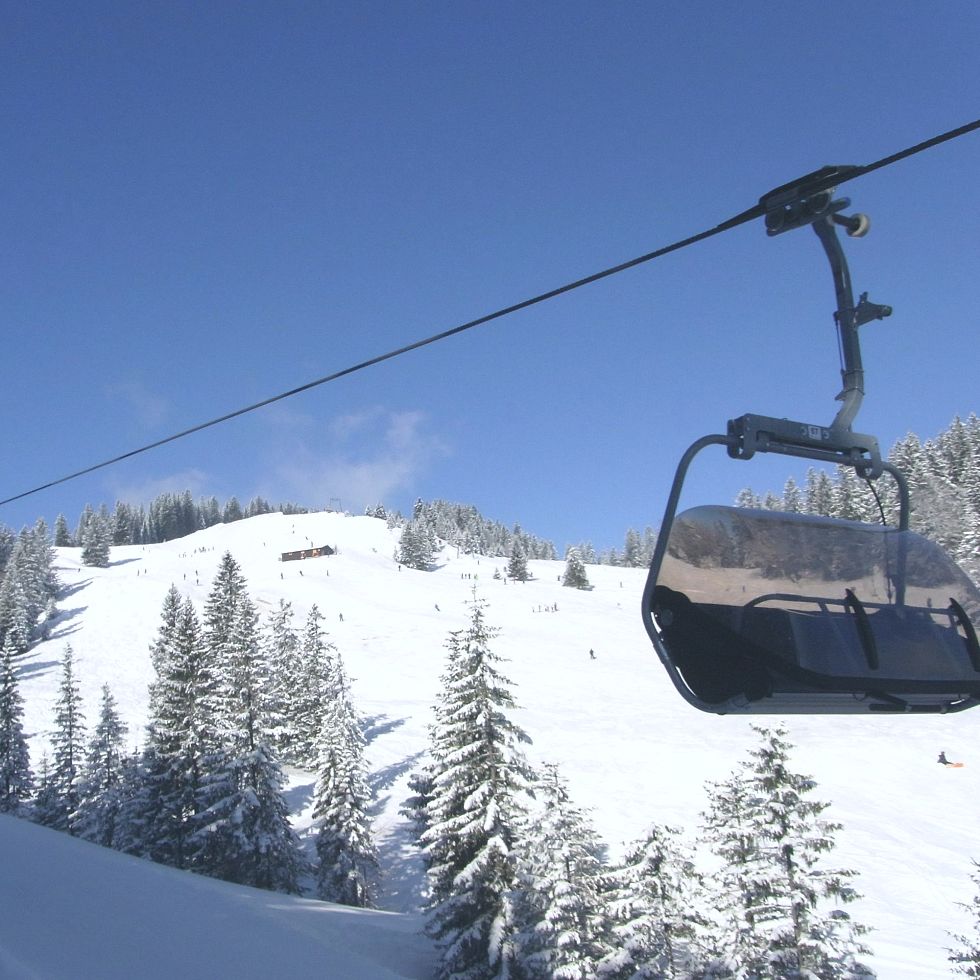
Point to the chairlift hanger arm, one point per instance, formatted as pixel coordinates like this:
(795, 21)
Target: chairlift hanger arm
(810, 200)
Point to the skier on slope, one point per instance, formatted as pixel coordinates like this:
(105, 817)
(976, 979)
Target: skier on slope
(942, 760)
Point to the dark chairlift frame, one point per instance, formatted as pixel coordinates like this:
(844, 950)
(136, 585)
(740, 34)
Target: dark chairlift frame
(871, 656)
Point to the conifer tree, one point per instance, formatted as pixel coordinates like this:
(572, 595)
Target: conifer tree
(480, 776)
(965, 957)
(657, 902)
(345, 848)
(101, 784)
(776, 891)
(313, 689)
(563, 929)
(244, 834)
(96, 540)
(575, 576)
(242, 831)
(281, 649)
(517, 566)
(415, 546)
(819, 497)
(180, 733)
(632, 549)
(67, 741)
(16, 779)
(62, 536)
(16, 624)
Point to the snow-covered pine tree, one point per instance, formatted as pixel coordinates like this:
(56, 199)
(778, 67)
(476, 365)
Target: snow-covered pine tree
(659, 907)
(228, 635)
(62, 536)
(774, 889)
(244, 834)
(180, 733)
(728, 830)
(965, 956)
(100, 788)
(312, 691)
(348, 862)
(242, 831)
(28, 583)
(16, 779)
(819, 493)
(281, 650)
(748, 498)
(517, 566)
(792, 497)
(416, 807)
(16, 624)
(415, 546)
(96, 540)
(632, 549)
(562, 928)
(574, 576)
(67, 740)
(480, 778)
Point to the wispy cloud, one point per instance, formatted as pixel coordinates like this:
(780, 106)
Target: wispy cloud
(149, 407)
(361, 458)
(143, 491)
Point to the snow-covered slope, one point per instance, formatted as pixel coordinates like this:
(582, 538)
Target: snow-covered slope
(70, 910)
(631, 749)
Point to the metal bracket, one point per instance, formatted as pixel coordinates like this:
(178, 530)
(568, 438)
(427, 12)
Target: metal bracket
(751, 434)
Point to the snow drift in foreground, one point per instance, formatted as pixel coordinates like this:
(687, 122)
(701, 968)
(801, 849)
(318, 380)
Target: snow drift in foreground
(69, 909)
(631, 749)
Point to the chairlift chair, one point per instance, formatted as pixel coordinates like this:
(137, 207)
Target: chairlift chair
(761, 611)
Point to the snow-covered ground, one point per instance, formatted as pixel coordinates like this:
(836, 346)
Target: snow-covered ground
(631, 749)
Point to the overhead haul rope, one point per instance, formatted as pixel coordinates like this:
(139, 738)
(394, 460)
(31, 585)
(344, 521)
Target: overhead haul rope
(740, 219)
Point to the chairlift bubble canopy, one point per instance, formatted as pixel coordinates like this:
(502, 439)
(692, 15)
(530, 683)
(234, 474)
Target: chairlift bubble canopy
(761, 611)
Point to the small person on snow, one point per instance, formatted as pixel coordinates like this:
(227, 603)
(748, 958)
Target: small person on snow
(942, 760)
(592, 654)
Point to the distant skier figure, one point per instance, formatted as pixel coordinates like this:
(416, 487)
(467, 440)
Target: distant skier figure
(942, 760)
(592, 654)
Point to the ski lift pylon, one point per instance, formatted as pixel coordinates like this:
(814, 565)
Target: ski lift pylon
(759, 611)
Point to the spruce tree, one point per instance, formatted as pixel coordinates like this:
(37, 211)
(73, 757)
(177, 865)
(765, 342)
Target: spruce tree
(517, 566)
(241, 823)
(563, 929)
(658, 906)
(281, 648)
(244, 833)
(345, 848)
(67, 740)
(415, 546)
(101, 784)
(772, 840)
(96, 540)
(180, 733)
(575, 576)
(16, 779)
(313, 689)
(480, 777)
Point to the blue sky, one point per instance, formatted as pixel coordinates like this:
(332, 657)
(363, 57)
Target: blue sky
(207, 204)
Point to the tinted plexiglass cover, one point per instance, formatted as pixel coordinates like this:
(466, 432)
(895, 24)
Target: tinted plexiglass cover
(764, 611)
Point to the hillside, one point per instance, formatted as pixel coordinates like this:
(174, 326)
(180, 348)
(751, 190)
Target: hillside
(632, 750)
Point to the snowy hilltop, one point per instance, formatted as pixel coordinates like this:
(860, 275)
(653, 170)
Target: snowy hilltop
(588, 691)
